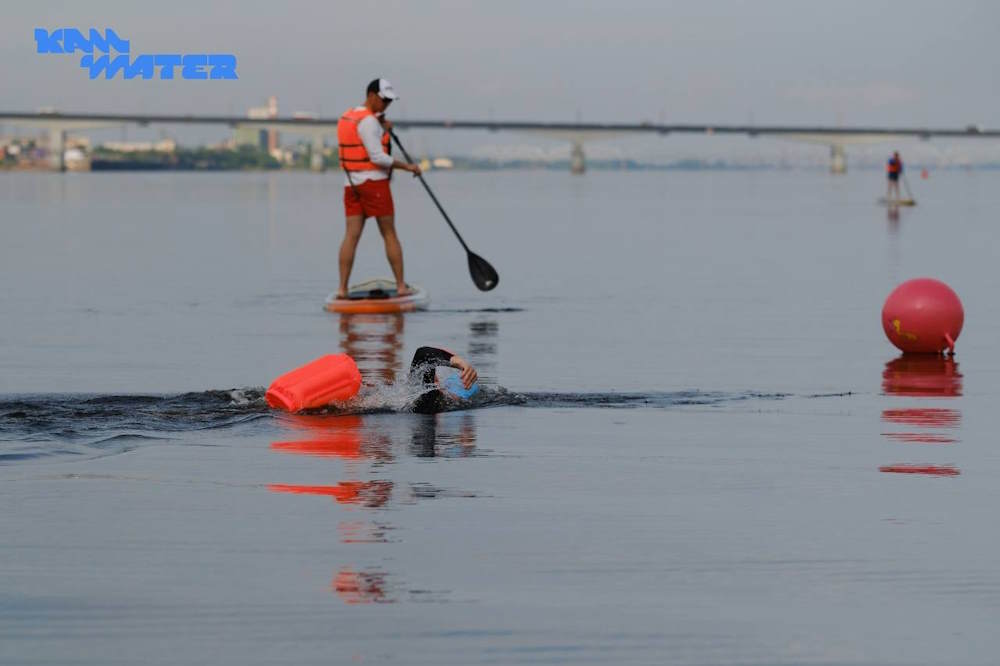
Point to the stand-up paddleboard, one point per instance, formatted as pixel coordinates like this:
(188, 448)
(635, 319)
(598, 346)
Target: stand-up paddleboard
(897, 202)
(377, 296)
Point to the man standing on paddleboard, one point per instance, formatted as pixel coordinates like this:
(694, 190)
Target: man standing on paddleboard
(364, 145)
(893, 170)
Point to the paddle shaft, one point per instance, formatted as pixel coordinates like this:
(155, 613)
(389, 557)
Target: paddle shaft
(431, 193)
(906, 184)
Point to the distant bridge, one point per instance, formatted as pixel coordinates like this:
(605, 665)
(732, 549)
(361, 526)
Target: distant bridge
(837, 138)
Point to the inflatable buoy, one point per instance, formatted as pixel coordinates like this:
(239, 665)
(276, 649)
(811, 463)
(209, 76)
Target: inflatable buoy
(923, 316)
(331, 378)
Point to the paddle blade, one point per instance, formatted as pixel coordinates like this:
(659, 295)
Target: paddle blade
(482, 273)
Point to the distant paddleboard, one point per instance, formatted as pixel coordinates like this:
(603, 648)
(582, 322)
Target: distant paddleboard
(897, 202)
(378, 296)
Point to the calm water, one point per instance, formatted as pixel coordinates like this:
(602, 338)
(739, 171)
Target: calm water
(698, 446)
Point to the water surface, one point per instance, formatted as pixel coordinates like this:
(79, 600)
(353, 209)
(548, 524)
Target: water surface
(700, 449)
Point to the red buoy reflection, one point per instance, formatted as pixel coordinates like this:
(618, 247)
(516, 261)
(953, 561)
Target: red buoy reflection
(356, 447)
(372, 494)
(925, 376)
(929, 470)
(922, 376)
(933, 417)
(332, 436)
(361, 587)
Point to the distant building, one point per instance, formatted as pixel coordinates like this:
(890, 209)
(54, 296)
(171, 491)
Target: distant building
(263, 139)
(81, 142)
(76, 160)
(250, 136)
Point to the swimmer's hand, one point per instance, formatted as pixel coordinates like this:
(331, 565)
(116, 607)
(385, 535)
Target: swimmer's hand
(468, 373)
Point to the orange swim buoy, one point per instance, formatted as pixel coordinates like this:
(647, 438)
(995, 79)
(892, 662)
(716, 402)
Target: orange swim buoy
(330, 378)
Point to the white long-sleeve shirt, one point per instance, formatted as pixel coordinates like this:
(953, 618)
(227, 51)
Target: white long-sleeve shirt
(370, 131)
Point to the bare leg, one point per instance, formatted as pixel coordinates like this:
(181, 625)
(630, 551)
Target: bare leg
(393, 251)
(355, 224)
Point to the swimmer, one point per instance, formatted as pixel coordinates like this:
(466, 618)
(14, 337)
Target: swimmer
(422, 370)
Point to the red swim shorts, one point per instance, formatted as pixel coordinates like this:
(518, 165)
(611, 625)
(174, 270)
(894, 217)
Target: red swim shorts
(375, 199)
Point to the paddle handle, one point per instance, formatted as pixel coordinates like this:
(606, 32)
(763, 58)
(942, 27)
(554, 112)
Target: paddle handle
(431, 193)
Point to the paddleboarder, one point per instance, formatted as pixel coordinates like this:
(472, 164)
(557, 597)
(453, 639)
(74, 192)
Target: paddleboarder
(423, 371)
(363, 138)
(893, 170)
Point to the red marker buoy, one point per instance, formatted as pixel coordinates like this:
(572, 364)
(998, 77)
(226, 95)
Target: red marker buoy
(923, 316)
(924, 174)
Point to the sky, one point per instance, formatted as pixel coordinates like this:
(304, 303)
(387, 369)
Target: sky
(791, 62)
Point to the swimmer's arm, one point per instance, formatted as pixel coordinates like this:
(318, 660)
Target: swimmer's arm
(435, 356)
(468, 373)
(430, 356)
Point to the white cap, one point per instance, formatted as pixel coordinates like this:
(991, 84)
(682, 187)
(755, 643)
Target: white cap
(385, 90)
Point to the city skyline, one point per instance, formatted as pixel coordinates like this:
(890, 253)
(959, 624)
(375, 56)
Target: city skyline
(855, 63)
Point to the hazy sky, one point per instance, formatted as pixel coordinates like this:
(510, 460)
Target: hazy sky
(900, 63)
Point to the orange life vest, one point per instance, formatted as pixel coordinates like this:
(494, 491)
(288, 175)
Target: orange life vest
(353, 156)
(894, 165)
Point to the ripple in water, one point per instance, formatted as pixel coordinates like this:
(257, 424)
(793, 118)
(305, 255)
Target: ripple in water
(37, 426)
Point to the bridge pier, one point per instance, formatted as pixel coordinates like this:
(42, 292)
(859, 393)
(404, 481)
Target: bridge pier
(316, 156)
(838, 159)
(57, 148)
(577, 160)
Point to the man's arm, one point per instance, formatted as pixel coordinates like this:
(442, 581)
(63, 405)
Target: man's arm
(371, 137)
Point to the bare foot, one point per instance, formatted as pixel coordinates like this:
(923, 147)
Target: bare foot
(403, 290)
(341, 295)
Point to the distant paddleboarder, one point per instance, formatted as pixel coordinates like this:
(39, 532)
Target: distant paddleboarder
(893, 170)
(363, 138)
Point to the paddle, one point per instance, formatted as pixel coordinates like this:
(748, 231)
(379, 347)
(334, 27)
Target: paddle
(906, 184)
(484, 275)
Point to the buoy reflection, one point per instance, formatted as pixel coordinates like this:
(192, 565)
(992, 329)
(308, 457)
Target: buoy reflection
(359, 446)
(924, 376)
(933, 417)
(929, 470)
(361, 587)
(372, 494)
(335, 437)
